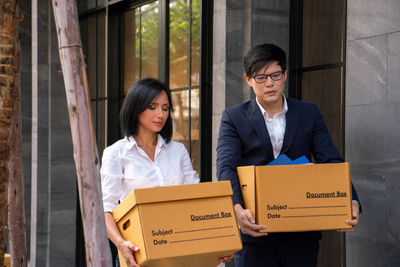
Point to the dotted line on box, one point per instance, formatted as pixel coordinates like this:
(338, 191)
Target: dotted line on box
(321, 215)
(199, 239)
(317, 207)
(205, 229)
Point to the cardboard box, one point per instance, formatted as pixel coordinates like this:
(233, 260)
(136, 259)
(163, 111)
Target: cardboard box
(7, 260)
(183, 225)
(291, 198)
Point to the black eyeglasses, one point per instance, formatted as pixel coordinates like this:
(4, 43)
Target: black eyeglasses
(261, 78)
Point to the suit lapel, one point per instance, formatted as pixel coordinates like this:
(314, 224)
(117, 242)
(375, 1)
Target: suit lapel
(257, 121)
(291, 125)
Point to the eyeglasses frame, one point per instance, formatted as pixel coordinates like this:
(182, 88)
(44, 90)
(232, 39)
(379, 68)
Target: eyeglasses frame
(269, 75)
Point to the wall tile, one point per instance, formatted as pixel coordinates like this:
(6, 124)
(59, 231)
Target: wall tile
(234, 21)
(371, 189)
(372, 133)
(271, 28)
(367, 18)
(59, 112)
(274, 6)
(234, 78)
(271, 23)
(234, 49)
(62, 251)
(234, 4)
(393, 204)
(366, 67)
(218, 88)
(219, 5)
(61, 144)
(376, 238)
(369, 253)
(215, 123)
(219, 37)
(394, 68)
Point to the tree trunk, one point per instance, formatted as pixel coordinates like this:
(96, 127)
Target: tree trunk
(85, 149)
(16, 209)
(7, 72)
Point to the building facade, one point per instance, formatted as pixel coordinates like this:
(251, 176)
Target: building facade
(343, 55)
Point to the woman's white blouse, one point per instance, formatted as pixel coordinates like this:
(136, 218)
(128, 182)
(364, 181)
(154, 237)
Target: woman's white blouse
(125, 166)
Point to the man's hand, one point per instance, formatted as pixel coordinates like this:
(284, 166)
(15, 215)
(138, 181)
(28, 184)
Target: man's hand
(247, 223)
(127, 248)
(354, 221)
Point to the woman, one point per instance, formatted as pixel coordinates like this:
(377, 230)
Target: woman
(145, 157)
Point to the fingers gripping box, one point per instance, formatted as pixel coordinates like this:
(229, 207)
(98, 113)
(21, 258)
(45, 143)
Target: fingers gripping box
(288, 198)
(183, 225)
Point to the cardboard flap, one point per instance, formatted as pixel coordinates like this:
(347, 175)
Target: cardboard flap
(247, 185)
(171, 193)
(124, 206)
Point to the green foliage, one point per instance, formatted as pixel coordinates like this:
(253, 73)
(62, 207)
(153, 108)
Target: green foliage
(179, 36)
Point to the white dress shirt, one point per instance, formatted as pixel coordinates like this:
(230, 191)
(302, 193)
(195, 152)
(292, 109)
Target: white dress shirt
(275, 126)
(125, 166)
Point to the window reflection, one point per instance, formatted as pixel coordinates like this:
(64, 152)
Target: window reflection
(180, 100)
(195, 56)
(184, 74)
(195, 129)
(140, 44)
(149, 40)
(184, 43)
(93, 40)
(86, 4)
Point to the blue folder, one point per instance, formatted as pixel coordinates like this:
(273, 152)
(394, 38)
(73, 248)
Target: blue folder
(285, 160)
(301, 160)
(281, 160)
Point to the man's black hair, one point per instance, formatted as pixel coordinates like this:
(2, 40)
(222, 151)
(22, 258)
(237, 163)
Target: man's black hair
(139, 97)
(260, 55)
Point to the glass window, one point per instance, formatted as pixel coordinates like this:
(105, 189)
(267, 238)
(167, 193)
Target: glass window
(140, 44)
(149, 40)
(94, 49)
(179, 44)
(84, 5)
(184, 43)
(195, 129)
(180, 100)
(131, 48)
(195, 50)
(184, 74)
(140, 59)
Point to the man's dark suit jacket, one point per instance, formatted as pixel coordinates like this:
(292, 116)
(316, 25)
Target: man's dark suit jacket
(244, 140)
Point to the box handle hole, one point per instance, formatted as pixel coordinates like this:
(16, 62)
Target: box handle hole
(126, 225)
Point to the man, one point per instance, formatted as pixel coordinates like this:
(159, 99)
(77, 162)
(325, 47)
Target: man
(257, 132)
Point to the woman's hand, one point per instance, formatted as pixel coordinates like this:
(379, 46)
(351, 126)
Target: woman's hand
(127, 249)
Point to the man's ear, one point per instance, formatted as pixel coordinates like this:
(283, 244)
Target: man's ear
(248, 80)
(285, 75)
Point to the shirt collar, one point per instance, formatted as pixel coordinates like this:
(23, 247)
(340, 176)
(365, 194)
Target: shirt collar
(132, 142)
(284, 108)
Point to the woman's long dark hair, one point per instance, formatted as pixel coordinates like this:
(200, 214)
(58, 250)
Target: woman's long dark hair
(139, 97)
